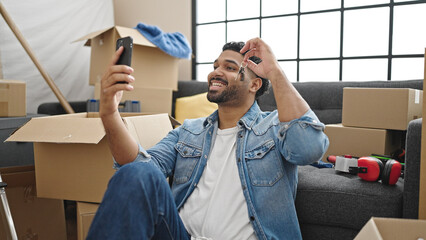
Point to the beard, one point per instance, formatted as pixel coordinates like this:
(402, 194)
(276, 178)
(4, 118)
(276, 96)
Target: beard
(228, 94)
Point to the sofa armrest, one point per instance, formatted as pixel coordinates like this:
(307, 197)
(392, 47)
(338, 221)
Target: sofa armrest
(412, 169)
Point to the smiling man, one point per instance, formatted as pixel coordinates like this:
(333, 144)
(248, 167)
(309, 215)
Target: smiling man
(234, 172)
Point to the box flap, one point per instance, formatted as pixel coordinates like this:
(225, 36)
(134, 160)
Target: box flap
(92, 35)
(369, 231)
(148, 130)
(60, 130)
(86, 208)
(384, 228)
(138, 38)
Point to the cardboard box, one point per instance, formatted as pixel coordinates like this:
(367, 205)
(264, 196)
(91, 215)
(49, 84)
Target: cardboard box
(13, 98)
(71, 153)
(152, 100)
(361, 142)
(85, 214)
(153, 67)
(392, 229)
(33, 217)
(385, 108)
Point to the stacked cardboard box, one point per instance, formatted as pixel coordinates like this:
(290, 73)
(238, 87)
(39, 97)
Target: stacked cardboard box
(85, 214)
(374, 121)
(33, 217)
(156, 72)
(13, 101)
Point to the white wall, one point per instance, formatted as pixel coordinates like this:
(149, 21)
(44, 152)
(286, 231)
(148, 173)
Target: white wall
(51, 26)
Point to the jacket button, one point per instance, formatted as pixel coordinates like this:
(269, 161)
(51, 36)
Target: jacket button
(252, 218)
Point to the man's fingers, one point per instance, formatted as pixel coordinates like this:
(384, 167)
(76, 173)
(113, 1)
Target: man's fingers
(113, 89)
(119, 78)
(120, 69)
(116, 56)
(250, 53)
(250, 44)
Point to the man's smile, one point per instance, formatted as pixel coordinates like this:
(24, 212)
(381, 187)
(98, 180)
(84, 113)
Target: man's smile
(217, 83)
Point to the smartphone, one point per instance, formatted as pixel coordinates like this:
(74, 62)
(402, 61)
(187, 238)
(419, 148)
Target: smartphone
(126, 55)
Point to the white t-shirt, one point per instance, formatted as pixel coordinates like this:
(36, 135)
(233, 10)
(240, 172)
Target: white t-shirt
(217, 208)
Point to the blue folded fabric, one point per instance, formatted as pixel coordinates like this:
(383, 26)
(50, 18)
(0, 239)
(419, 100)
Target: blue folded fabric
(174, 44)
(321, 164)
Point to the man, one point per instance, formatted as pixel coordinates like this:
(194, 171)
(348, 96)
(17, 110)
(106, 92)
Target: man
(234, 172)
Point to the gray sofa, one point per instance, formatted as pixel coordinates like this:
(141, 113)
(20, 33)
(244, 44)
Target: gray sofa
(336, 206)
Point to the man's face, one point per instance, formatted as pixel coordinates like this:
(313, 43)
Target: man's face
(223, 88)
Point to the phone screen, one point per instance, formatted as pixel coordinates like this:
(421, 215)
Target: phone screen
(126, 55)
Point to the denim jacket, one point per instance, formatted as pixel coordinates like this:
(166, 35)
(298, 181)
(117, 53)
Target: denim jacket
(268, 152)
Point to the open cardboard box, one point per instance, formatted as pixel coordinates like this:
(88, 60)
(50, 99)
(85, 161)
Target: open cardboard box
(153, 67)
(392, 229)
(71, 153)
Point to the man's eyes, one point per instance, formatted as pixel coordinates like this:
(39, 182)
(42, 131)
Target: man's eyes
(230, 68)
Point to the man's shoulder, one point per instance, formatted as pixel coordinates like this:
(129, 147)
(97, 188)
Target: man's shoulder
(195, 125)
(265, 121)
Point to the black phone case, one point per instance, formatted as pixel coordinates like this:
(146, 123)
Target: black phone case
(126, 55)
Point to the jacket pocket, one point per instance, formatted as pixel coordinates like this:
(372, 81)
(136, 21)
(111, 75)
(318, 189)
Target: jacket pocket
(187, 159)
(264, 165)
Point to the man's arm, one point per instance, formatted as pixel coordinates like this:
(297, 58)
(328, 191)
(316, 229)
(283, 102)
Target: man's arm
(123, 147)
(290, 104)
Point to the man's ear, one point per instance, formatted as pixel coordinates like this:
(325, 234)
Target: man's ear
(255, 84)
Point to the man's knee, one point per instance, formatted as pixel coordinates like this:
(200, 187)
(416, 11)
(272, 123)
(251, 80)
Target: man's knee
(138, 175)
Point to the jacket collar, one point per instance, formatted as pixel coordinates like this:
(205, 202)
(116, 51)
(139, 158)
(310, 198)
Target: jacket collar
(248, 120)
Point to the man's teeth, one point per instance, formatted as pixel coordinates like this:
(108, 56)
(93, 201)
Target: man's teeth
(217, 84)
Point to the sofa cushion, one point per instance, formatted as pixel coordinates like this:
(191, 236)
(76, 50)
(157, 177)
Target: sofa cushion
(331, 198)
(195, 106)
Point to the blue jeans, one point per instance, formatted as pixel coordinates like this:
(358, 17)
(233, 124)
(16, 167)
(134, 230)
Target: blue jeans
(138, 204)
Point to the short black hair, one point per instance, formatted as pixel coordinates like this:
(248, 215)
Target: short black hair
(237, 46)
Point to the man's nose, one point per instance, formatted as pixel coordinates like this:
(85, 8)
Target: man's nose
(216, 73)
